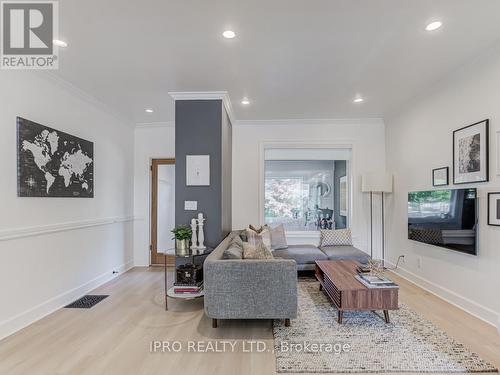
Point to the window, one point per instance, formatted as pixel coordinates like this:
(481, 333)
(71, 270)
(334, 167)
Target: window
(306, 189)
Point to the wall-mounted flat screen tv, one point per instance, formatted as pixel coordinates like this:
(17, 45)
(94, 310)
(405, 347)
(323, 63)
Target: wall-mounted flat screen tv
(446, 218)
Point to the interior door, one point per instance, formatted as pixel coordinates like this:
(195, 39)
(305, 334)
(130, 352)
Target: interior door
(162, 209)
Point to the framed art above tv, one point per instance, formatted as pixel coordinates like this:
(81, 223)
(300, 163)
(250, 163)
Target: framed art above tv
(471, 153)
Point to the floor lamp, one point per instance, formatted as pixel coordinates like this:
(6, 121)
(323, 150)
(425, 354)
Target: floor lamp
(377, 183)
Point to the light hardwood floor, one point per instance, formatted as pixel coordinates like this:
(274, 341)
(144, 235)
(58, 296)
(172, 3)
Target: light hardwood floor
(115, 336)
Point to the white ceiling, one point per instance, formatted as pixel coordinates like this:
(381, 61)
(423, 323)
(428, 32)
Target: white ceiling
(292, 58)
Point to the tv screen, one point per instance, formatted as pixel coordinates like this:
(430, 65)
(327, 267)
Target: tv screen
(446, 218)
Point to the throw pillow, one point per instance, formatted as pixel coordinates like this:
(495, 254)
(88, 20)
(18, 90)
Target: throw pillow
(258, 251)
(264, 236)
(258, 230)
(234, 250)
(278, 238)
(237, 241)
(336, 237)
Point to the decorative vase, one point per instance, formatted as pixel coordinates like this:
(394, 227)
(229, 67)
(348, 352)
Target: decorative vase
(181, 247)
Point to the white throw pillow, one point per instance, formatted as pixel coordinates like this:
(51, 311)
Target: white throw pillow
(278, 238)
(336, 237)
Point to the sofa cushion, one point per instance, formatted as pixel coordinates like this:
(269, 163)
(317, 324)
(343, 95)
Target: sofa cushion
(345, 252)
(302, 254)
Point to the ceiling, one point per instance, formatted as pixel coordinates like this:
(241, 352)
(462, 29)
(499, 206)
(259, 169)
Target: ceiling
(294, 59)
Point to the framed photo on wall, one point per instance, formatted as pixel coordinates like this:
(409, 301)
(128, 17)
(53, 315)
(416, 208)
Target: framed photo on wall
(440, 176)
(494, 209)
(498, 152)
(198, 170)
(470, 153)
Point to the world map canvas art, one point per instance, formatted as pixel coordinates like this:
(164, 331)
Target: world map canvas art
(51, 163)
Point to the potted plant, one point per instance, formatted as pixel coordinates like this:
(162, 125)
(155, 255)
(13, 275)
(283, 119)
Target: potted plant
(182, 235)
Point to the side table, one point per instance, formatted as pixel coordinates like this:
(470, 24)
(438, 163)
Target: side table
(193, 254)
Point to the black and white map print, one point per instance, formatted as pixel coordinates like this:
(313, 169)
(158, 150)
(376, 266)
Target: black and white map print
(51, 163)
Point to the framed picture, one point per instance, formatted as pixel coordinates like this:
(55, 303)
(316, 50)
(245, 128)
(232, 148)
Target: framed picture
(198, 170)
(498, 152)
(440, 176)
(470, 153)
(52, 163)
(494, 209)
(344, 194)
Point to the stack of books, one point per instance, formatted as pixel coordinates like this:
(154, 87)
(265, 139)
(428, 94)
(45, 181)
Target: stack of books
(375, 281)
(182, 288)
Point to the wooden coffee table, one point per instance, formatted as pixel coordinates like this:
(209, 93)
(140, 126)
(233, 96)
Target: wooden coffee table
(336, 277)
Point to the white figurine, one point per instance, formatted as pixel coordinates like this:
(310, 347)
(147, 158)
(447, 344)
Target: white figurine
(201, 235)
(194, 237)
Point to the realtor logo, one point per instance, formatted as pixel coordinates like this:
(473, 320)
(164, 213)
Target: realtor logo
(28, 29)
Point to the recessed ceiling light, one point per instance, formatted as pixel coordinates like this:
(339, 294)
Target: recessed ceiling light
(229, 34)
(60, 43)
(358, 100)
(245, 101)
(434, 26)
(149, 110)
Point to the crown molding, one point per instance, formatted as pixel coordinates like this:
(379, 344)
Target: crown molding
(155, 125)
(206, 95)
(335, 121)
(83, 95)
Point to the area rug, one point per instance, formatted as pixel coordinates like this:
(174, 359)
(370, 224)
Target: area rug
(364, 343)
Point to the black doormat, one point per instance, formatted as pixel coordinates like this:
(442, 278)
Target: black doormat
(86, 302)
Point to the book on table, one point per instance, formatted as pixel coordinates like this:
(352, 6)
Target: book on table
(377, 284)
(188, 289)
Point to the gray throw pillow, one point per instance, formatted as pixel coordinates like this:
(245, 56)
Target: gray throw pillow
(278, 238)
(237, 241)
(256, 251)
(233, 252)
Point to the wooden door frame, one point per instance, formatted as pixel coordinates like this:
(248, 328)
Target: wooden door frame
(155, 258)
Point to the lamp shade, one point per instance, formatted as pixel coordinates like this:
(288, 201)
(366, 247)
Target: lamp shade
(376, 182)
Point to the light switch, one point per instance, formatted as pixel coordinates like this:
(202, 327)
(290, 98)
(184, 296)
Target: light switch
(190, 205)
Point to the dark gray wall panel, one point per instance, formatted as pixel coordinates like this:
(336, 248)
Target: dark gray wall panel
(340, 171)
(198, 131)
(227, 150)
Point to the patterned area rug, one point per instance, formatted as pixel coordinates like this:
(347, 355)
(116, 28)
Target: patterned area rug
(364, 343)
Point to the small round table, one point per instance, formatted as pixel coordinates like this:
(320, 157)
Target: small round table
(191, 253)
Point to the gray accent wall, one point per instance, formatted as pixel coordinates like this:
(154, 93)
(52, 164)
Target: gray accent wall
(339, 171)
(203, 128)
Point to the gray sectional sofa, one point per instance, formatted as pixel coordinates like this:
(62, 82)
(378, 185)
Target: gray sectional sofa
(263, 288)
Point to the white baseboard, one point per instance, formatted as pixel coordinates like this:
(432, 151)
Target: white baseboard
(24, 319)
(479, 311)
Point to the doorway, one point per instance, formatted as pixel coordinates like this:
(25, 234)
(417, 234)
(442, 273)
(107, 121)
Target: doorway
(162, 209)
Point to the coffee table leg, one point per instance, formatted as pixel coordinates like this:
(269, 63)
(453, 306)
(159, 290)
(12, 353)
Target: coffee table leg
(386, 316)
(340, 316)
(320, 287)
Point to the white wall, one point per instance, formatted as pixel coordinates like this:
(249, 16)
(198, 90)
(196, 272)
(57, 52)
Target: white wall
(53, 250)
(419, 139)
(367, 137)
(152, 141)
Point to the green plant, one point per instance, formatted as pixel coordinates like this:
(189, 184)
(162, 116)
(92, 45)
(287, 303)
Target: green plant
(182, 232)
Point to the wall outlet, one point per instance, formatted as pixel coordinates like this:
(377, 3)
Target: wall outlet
(419, 262)
(498, 325)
